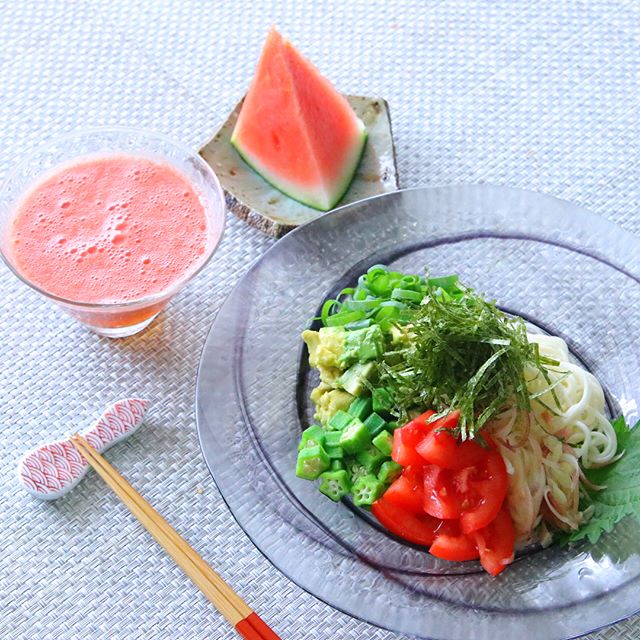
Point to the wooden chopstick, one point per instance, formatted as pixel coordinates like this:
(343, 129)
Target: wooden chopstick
(235, 610)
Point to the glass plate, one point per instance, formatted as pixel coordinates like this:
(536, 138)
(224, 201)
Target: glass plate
(564, 269)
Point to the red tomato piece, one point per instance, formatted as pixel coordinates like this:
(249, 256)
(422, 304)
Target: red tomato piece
(495, 543)
(457, 548)
(448, 527)
(407, 491)
(450, 421)
(440, 497)
(416, 529)
(438, 447)
(468, 454)
(441, 447)
(486, 494)
(406, 438)
(462, 480)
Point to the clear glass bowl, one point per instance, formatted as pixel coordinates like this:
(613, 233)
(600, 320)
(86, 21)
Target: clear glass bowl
(566, 270)
(121, 319)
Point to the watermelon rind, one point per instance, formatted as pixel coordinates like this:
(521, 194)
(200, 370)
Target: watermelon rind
(293, 191)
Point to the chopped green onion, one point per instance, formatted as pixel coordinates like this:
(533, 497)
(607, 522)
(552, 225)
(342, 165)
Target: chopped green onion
(412, 282)
(446, 283)
(355, 308)
(344, 317)
(326, 310)
(362, 305)
(407, 294)
(358, 324)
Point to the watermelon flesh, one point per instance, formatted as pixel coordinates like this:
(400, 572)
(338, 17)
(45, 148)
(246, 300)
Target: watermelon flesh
(296, 130)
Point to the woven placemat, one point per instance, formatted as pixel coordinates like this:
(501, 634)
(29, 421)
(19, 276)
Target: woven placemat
(539, 95)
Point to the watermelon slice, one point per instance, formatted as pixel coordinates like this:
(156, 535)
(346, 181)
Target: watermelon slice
(296, 130)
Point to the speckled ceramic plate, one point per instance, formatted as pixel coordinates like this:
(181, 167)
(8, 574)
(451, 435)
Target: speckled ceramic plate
(253, 199)
(564, 269)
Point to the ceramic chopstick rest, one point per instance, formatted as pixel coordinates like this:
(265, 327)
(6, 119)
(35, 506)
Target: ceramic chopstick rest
(51, 470)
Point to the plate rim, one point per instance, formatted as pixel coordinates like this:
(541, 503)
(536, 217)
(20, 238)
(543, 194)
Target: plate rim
(588, 213)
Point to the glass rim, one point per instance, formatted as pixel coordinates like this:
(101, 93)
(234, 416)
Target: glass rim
(146, 300)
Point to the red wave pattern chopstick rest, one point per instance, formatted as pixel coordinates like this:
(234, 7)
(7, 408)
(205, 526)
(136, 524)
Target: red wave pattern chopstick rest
(51, 470)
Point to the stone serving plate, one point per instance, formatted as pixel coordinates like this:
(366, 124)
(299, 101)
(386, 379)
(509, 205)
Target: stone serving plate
(253, 199)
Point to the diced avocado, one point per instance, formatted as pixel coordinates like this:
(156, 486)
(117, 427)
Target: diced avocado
(326, 347)
(325, 350)
(354, 378)
(319, 391)
(329, 402)
(362, 345)
(400, 335)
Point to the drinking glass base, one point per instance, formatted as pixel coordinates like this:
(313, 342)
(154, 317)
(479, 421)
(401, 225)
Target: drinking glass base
(122, 332)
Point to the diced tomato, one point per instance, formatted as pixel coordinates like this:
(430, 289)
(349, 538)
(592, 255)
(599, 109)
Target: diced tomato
(407, 491)
(441, 448)
(448, 528)
(495, 543)
(405, 440)
(440, 497)
(454, 502)
(417, 529)
(485, 495)
(462, 480)
(457, 548)
(450, 421)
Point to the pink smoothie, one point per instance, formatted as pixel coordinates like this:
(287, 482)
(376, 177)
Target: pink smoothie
(110, 228)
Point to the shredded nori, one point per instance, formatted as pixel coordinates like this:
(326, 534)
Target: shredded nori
(463, 353)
